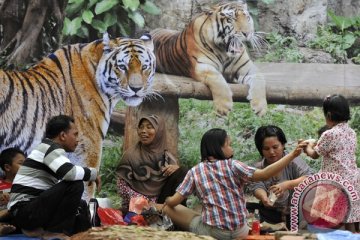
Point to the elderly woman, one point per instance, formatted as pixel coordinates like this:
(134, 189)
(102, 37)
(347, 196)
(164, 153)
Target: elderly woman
(148, 169)
(270, 141)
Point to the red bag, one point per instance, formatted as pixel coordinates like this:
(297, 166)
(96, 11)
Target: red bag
(110, 216)
(139, 220)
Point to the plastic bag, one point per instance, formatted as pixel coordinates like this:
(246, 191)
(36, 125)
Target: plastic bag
(137, 204)
(157, 220)
(139, 220)
(110, 216)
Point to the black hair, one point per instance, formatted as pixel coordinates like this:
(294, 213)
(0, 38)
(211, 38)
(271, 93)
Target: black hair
(322, 129)
(211, 144)
(58, 124)
(7, 156)
(268, 131)
(336, 108)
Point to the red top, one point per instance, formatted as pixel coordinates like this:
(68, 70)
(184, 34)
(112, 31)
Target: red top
(5, 186)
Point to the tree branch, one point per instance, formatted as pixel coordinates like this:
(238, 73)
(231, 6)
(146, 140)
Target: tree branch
(27, 37)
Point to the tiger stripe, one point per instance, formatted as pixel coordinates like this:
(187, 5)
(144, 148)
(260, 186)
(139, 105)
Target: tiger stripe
(210, 49)
(80, 80)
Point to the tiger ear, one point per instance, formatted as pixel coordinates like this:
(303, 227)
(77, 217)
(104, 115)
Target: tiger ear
(106, 42)
(146, 38)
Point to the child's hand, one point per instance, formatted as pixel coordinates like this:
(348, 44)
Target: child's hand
(299, 147)
(279, 188)
(311, 143)
(4, 198)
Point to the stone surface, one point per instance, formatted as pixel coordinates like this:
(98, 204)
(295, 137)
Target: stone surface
(316, 56)
(298, 18)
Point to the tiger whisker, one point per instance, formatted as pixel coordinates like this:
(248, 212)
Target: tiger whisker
(154, 95)
(258, 41)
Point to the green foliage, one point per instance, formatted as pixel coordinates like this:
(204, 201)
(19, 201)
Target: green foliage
(111, 156)
(197, 116)
(355, 124)
(339, 37)
(282, 49)
(89, 16)
(356, 59)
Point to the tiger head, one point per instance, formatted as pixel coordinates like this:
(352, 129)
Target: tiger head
(126, 69)
(232, 25)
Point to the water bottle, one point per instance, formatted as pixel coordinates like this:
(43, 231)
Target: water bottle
(255, 230)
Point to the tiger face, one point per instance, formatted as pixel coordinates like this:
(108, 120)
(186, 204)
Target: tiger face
(84, 81)
(126, 69)
(234, 25)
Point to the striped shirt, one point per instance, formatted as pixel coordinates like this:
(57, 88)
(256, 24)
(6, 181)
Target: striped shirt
(220, 185)
(44, 167)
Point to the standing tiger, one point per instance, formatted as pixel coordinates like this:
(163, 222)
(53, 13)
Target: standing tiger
(210, 50)
(84, 81)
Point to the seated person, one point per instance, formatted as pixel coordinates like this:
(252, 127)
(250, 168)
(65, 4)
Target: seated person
(10, 161)
(270, 141)
(46, 193)
(148, 169)
(219, 182)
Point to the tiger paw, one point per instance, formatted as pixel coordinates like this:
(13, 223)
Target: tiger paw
(259, 106)
(223, 107)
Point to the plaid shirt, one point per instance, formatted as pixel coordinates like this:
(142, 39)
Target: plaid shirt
(220, 185)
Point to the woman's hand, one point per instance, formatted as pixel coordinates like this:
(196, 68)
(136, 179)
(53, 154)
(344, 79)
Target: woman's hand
(169, 169)
(279, 188)
(266, 202)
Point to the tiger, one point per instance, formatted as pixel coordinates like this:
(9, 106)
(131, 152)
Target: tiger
(211, 50)
(84, 81)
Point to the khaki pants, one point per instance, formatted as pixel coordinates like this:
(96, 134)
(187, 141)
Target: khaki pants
(198, 227)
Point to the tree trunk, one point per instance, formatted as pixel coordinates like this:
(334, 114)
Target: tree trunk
(23, 35)
(10, 19)
(27, 45)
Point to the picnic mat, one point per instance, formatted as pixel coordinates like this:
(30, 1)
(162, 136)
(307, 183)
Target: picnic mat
(117, 232)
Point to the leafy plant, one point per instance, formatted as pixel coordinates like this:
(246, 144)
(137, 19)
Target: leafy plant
(85, 19)
(282, 49)
(111, 156)
(197, 116)
(339, 37)
(356, 59)
(241, 125)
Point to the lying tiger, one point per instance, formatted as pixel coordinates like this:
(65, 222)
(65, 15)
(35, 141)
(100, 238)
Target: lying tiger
(211, 50)
(84, 81)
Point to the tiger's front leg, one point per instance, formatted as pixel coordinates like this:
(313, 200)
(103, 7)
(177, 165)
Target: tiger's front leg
(220, 90)
(257, 90)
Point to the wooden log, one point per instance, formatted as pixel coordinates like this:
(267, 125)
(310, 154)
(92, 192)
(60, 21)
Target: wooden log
(286, 83)
(117, 123)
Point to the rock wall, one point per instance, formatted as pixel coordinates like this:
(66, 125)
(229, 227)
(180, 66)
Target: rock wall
(299, 18)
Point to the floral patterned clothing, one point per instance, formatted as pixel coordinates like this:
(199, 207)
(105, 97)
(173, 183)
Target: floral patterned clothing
(127, 193)
(337, 146)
